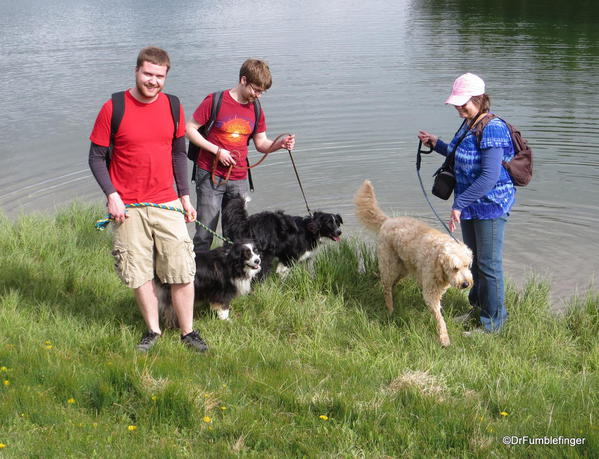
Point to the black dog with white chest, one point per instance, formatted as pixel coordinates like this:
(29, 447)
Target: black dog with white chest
(278, 235)
(222, 274)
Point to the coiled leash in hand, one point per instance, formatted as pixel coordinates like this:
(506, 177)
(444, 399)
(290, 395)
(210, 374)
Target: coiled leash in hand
(418, 162)
(102, 223)
(217, 156)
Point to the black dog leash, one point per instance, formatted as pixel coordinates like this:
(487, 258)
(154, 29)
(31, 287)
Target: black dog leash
(418, 162)
(300, 183)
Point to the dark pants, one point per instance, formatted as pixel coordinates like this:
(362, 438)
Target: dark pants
(211, 199)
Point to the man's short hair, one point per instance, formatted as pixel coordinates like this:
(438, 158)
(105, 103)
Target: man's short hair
(256, 72)
(153, 55)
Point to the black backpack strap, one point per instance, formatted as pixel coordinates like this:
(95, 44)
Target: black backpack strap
(118, 111)
(175, 112)
(257, 114)
(218, 97)
(193, 150)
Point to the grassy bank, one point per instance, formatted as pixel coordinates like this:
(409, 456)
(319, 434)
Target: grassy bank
(311, 366)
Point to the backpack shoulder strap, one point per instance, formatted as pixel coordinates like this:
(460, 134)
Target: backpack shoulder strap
(482, 124)
(118, 110)
(175, 111)
(217, 100)
(257, 114)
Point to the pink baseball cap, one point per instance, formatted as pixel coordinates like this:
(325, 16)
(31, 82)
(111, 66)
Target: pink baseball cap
(464, 87)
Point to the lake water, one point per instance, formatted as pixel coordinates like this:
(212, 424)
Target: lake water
(354, 80)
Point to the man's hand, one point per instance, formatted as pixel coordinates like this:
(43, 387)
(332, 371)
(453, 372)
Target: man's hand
(288, 142)
(190, 212)
(225, 157)
(116, 207)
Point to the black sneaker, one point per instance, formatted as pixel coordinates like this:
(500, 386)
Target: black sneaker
(194, 341)
(147, 341)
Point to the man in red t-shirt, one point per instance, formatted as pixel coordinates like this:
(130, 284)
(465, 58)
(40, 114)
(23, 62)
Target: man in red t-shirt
(228, 141)
(148, 157)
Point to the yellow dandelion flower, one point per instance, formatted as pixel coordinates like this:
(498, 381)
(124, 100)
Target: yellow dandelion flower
(324, 417)
(48, 346)
(3, 369)
(2, 445)
(71, 401)
(131, 428)
(206, 395)
(223, 408)
(154, 398)
(504, 413)
(47, 343)
(6, 382)
(207, 419)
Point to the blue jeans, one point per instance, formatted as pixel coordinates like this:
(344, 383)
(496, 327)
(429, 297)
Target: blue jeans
(211, 199)
(485, 239)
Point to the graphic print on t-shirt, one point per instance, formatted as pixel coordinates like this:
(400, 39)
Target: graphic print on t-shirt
(235, 130)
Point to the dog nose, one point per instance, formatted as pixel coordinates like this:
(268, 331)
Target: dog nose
(465, 285)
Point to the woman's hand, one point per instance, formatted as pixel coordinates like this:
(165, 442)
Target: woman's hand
(427, 139)
(454, 219)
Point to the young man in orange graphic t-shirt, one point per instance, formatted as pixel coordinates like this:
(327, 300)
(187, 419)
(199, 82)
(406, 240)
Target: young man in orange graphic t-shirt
(228, 140)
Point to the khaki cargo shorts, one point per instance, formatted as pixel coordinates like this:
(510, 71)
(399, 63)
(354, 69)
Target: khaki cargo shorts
(153, 240)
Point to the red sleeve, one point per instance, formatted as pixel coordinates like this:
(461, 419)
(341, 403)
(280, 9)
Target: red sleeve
(202, 113)
(101, 132)
(181, 127)
(261, 123)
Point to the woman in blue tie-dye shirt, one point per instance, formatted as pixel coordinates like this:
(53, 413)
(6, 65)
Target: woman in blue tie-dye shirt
(484, 195)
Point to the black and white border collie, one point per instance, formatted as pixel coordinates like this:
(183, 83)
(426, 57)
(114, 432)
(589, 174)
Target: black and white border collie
(278, 235)
(222, 274)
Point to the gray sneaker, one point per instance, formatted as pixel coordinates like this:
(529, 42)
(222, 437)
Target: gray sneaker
(147, 341)
(470, 317)
(194, 341)
(475, 331)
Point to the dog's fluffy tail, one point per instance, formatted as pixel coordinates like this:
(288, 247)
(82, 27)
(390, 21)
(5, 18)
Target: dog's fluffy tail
(367, 207)
(235, 219)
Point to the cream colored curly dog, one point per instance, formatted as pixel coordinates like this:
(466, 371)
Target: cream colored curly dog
(407, 246)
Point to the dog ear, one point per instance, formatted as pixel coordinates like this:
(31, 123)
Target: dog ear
(338, 219)
(447, 262)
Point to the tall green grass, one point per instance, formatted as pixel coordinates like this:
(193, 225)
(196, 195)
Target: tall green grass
(310, 366)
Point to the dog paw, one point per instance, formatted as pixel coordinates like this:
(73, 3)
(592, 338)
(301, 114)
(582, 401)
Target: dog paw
(223, 314)
(445, 341)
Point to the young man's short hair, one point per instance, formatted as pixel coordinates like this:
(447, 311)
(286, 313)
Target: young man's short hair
(155, 56)
(256, 72)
